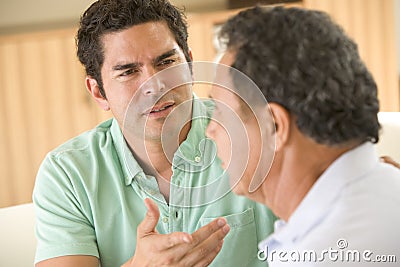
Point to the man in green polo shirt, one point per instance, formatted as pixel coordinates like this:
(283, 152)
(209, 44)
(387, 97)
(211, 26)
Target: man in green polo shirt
(115, 195)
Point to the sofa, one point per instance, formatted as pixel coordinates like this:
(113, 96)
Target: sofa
(17, 236)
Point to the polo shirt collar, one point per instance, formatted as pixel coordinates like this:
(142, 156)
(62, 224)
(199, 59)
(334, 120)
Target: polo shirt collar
(130, 167)
(351, 166)
(189, 151)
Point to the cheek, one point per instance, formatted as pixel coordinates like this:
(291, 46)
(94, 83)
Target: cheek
(245, 167)
(183, 92)
(237, 189)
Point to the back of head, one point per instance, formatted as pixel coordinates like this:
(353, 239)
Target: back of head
(107, 16)
(305, 62)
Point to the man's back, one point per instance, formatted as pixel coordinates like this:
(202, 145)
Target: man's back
(350, 216)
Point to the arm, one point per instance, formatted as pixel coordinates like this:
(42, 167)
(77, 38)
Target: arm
(65, 236)
(70, 261)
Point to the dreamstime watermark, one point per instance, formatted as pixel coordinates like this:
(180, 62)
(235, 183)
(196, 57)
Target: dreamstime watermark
(339, 254)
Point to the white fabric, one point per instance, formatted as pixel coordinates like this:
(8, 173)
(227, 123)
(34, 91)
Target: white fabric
(389, 140)
(18, 242)
(354, 207)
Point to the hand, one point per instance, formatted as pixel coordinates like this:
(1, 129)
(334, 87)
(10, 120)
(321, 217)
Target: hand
(389, 160)
(176, 249)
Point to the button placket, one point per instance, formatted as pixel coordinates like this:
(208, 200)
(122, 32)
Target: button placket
(177, 215)
(177, 198)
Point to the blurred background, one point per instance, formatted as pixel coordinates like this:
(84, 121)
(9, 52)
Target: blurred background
(43, 100)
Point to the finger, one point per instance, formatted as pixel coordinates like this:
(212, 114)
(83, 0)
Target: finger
(207, 250)
(389, 160)
(170, 248)
(148, 225)
(210, 257)
(170, 241)
(206, 231)
(178, 252)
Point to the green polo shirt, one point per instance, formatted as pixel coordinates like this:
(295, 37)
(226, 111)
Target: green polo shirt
(89, 196)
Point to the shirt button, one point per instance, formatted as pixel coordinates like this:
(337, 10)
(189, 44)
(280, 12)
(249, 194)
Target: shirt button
(165, 220)
(197, 159)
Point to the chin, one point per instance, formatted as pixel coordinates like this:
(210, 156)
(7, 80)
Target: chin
(242, 190)
(238, 190)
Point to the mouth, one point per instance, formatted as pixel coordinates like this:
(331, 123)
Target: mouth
(160, 110)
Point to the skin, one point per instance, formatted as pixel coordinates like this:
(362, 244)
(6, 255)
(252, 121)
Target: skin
(228, 107)
(391, 161)
(225, 130)
(132, 56)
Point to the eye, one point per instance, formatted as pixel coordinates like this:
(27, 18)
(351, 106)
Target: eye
(166, 62)
(127, 72)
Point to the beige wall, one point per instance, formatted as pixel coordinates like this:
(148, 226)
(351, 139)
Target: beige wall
(22, 15)
(397, 28)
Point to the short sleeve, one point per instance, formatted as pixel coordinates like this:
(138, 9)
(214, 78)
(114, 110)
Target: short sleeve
(63, 223)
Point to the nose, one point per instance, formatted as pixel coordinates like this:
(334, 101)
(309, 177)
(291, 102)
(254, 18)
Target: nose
(154, 84)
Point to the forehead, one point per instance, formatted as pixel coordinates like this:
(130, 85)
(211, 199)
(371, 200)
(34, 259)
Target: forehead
(139, 41)
(225, 99)
(241, 95)
(223, 77)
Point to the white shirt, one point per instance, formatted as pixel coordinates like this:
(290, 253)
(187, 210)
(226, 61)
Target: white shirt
(351, 216)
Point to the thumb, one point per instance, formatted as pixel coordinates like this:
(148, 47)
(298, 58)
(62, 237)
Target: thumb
(148, 225)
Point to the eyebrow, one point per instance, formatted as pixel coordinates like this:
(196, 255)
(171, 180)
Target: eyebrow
(127, 66)
(165, 55)
(136, 65)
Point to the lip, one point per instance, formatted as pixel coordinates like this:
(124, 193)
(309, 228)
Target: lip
(160, 109)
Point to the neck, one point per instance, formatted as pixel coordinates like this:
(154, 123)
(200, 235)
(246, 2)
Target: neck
(156, 158)
(301, 166)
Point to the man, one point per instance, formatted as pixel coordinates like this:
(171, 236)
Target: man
(113, 196)
(338, 203)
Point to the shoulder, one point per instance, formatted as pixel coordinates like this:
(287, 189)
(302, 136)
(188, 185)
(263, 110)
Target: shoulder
(76, 167)
(89, 139)
(80, 155)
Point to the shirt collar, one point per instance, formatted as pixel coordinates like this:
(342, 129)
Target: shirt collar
(189, 151)
(351, 166)
(130, 166)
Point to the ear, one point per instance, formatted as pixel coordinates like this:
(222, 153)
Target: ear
(190, 54)
(94, 90)
(282, 125)
(191, 57)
